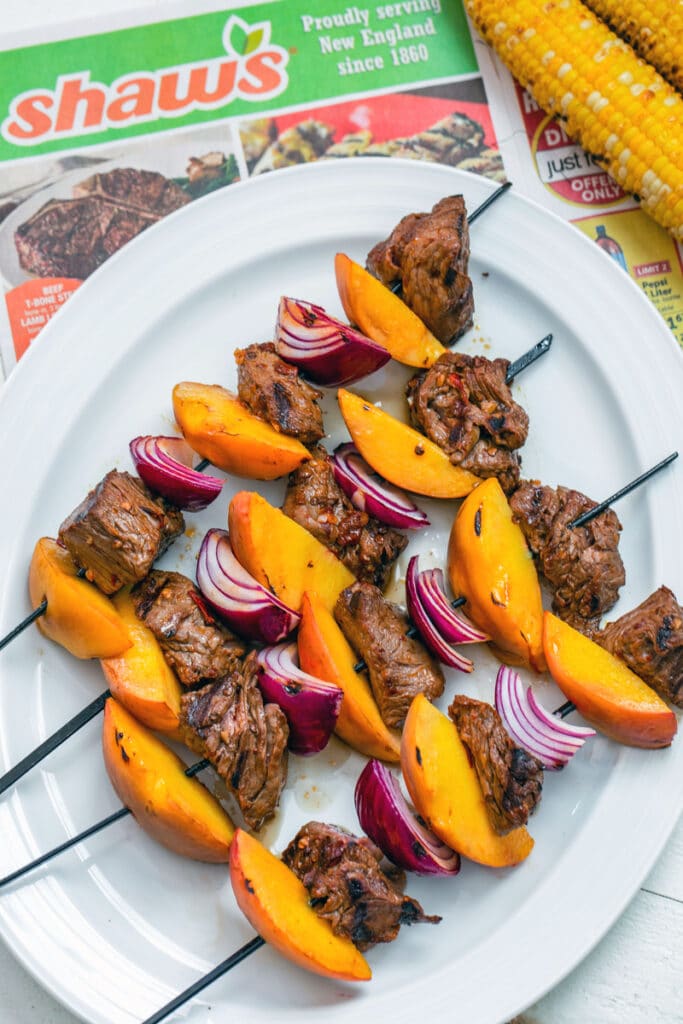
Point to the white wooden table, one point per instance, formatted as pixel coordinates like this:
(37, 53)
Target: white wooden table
(634, 975)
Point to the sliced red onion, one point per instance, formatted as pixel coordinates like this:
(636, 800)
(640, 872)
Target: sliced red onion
(454, 627)
(430, 632)
(165, 465)
(311, 705)
(539, 732)
(245, 604)
(386, 817)
(371, 493)
(328, 351)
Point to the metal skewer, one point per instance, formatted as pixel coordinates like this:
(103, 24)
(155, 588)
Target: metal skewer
(593, 512)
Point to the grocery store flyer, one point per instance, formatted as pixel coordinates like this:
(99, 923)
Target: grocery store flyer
(102, 135)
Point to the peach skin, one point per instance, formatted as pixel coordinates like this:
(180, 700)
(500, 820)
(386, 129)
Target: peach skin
(79, 616)
(325, 652)
(282, 555)
(276, 904)
(140, 678)
(383, 316)
(605, 691)
(150, 781)
(218, 427)
(445, 789)
(400, 454)
(490, 564)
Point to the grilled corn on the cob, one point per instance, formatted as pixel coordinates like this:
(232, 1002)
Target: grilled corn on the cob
(610, 101)
(654, 29)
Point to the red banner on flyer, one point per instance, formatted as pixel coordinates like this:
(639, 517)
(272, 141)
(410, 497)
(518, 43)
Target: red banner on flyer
(32, 304)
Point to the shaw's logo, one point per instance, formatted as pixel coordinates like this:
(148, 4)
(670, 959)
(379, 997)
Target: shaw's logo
(254, 69)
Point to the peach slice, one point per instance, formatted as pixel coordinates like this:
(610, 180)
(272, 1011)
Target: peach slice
(325, 652)
(445, 789)
(276, 904)
(140, 678)
(150, 780)
(400, 454)
(282, 555)
(605, 691)
(490, 564)
(79, 616)
(218, 427)
(383, 316)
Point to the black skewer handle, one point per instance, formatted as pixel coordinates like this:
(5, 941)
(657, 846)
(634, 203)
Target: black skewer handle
(24, 624)
(593, 512)
(192, 990)
(52, 742)
(539, 349)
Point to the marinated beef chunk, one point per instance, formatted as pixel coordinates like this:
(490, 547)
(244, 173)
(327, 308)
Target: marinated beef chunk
(650, 640)
(583, 565)
(315, 501)
(195, 644)
(427, 254)
(399, 666)
(510, 778)
(273, 390)
(348, 887)
(118, 531)
(245, 741)
(464, 405)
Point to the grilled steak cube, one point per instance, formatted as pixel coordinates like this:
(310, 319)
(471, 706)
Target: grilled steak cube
(273, 390)
(315, 501)
(118, 531)
(428, 254)
(463, 404)
(650, 640)
(399, 666)
(194, 643)
(583, 566)
(510, 778)
(245, 742)
(349, 888)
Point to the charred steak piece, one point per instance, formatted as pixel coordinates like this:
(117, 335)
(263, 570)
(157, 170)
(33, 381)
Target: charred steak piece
(348, 887)
(399, 666)
(510, 778)
(245, 741)
(428, 253)
(118, 531)
(650, 640)
(73, 237)
(583, 566)
(273, 390)
(463, 404)
(315, 501)
(195, 644)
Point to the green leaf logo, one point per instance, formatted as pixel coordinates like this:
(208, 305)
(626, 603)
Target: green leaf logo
(240, 38)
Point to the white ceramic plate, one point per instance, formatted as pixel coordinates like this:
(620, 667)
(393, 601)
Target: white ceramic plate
(117, 927)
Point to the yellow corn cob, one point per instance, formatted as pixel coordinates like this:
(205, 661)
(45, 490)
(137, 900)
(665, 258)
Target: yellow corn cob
(610, 101)
(654, 30)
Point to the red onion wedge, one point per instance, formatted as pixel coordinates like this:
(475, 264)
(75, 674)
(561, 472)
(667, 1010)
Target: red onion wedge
(548, 738)
(165, 465)
(371, 493)
(328, 351)
(430, 631)
(386, 817)
(245, 604)
(311, 705)
(454, 627)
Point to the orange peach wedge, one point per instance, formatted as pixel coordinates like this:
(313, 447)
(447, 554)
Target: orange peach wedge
(78, 616)
(140, 678)
(282, 555)
(218, 427)
(276, 904)
(324, 652)
(399, 453)
(150, 781)
(383, 316)
(605, 691)
(490, 565)
(445, 789)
